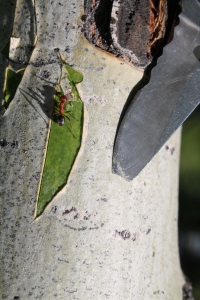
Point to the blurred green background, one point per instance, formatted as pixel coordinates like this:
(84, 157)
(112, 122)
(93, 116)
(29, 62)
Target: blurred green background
(189, 201)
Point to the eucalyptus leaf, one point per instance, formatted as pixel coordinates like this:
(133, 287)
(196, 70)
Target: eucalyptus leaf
(63, 146)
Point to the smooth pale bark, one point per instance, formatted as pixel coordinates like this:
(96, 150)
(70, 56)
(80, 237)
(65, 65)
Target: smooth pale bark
(83, 256)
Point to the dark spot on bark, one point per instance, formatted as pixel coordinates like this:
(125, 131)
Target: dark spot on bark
(76, 216)
(134, 237)
(54, 209)
(82, 228)
(4, 143)
(125, 234)
(172, 150)
(45, 74)
(92, 228)
(67, 211)
(15, 144)
(104, 199)
(148, 231)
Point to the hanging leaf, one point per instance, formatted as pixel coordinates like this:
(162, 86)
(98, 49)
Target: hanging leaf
(63, 146)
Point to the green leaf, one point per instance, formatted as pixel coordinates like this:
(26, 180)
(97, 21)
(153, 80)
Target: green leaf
(73, 76)
(12, 82)
(63, 146)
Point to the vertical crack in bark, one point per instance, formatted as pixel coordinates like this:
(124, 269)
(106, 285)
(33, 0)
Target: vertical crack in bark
(102, 19)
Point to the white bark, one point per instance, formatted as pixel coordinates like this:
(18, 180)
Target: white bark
(84, 258)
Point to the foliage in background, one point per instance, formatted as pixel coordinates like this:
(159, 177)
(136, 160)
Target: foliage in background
(190, 172)
(190, 156)
(189, 201)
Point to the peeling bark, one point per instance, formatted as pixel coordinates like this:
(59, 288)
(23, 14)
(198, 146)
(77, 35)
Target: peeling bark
(135, 30)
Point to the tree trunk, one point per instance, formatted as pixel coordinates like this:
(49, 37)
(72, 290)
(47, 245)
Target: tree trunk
(101, 236)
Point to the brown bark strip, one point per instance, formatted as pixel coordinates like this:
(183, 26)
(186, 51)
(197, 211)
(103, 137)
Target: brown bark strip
(158, 16)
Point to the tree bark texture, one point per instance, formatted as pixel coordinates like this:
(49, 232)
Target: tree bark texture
(118, 239)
